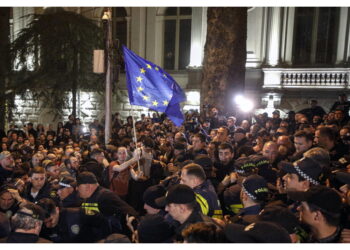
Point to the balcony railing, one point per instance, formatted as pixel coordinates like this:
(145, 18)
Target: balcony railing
(331, 78)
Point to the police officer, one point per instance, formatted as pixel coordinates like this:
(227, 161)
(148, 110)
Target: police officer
(194, 176)
(61, 225)
(104, 210)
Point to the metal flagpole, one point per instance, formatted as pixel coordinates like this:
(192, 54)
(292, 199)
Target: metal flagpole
(135, 138)
(107, 17)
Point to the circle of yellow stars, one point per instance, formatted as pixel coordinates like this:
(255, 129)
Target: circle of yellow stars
(140, 89)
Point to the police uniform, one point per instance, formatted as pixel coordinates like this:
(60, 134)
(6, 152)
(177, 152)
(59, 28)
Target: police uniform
(68, 229)
(208, 200)
(103, 212)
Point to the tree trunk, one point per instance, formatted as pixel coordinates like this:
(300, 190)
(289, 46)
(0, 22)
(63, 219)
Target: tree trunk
(5, 62)
(224, 58)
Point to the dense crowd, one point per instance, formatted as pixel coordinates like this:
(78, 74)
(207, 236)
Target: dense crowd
(212, 180)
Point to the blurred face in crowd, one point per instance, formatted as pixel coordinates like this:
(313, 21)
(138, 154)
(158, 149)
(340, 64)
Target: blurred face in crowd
(275, 115)
(292, 183)
(302, 144)
(225, 155)
(53, 171)
(52, 157)
(85, 190)
(7, 163)
(174, 210)
(64, 192)
(268, 124)
(284, 124)
(150, 210)
(283, 140)
(345, 135)
(211, 149)
(270, 150)
(213, 133)
(319, 139)
(230, 122)
(93, 139)
(214, 111)
(316, 119)
(338, 115)
(18, 162)
(14, 137)
(245, 124)
(6, 200)
(122, 154)
(36, 160)
(32, 140)
(197, 143)
(330, 116)
(68, 151)
(74, 162)
(177, 136)
(345, 190)
(238, 136)
(222, 134)
(21, 182)
(305, 215)
(186, 179)
(53, 219)
(38, 180)
(41, 148)
(20, 139)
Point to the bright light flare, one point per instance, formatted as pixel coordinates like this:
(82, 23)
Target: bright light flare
(244, 104)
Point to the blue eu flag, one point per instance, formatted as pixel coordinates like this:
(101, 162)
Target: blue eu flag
(150, 86)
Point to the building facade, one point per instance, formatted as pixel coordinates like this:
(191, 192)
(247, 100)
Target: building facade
(293, 55)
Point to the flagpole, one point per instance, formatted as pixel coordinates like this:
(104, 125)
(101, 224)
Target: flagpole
(135, 138)
(107, 18)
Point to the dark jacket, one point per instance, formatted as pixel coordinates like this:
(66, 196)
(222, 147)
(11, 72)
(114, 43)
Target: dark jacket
(208, 200)
(195, 217)
(5, 175)
(16, 237)
(44, 192)
(104, 214)
(68, 228)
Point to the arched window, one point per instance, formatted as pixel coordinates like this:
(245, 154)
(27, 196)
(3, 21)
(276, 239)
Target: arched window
(315, 36)
(177, 38)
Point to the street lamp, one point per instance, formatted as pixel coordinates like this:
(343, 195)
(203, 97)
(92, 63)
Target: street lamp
(107, 21)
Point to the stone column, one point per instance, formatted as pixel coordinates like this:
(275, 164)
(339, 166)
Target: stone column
(343, 53)
(198, 35)
(128, 31)
(138, 30)
(288, 31)
(274, 34)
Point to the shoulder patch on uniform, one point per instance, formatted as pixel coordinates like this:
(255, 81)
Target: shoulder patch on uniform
(75, 228)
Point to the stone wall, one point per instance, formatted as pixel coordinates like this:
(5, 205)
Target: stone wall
(91, 105)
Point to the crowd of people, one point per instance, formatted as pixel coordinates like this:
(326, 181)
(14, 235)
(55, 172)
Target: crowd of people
(212, 180)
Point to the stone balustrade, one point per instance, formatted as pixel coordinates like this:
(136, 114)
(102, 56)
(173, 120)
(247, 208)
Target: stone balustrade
(331, 78)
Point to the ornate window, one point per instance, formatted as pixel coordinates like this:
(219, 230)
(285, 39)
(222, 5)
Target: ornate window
(177, 38)
(315, 36)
